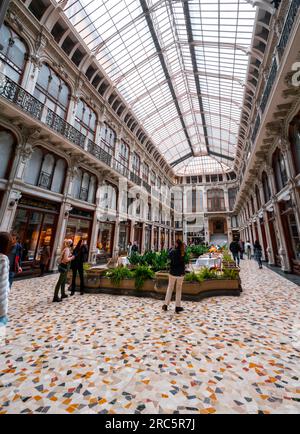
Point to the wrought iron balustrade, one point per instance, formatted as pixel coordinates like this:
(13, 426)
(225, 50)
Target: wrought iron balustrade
(99, 153)
(255, 130)
(147, 186)
(62, 127)
(14, 93)
(120, 168)
(288, 26)
(269, 85)
(135, 178)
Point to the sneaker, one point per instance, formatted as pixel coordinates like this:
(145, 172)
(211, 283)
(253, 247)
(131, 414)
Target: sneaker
(56, 300)
(82, 293)
(64, 296)
(72, 293)
(178, 309)
(3, 320)
(165, 307)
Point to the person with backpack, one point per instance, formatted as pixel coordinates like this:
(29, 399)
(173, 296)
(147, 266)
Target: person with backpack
(176, 276)
(80, 257)
(14, 257)
(258, 253)
(248, 249)
(5, 241)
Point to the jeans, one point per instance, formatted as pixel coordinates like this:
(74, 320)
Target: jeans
(236, 258)
(78, 268)
(172, 280)
(61, 283)
(11, 278)
(249, 254)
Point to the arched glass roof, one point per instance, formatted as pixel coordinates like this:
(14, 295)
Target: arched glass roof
(180, 65)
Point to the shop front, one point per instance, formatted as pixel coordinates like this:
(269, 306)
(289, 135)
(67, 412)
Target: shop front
(79, 225)
(105, 243)
(124, 236)
(35, 223)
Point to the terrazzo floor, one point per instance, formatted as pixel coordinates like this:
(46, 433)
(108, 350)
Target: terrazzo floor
(115, 354)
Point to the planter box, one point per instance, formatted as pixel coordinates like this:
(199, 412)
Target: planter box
(126, 284)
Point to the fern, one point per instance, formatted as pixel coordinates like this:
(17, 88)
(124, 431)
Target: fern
(118, 274)
(142, 273)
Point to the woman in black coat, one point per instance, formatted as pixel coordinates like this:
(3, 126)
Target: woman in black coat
(81, 256)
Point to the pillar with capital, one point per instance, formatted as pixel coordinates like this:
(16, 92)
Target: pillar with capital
(283, 251)
(271, 257)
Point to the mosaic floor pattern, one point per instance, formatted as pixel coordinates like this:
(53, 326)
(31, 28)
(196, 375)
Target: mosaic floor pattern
(115, 354)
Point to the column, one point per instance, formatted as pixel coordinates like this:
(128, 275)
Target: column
(60, 235)
(72, 109)
(260, 238)
(9, 208)
(34, 64)
(132, 223)
(271, 258)
(226, 199)
(283, 251)
(116, 238)
(206, 230)
(152, 238)
(143, 238)
(159, 235)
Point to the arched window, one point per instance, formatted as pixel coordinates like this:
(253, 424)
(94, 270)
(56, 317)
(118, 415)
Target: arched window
(85, 120)
(146, 172)
(108, 138)
(52, 91)
(124, 154)
(266, 187)
(257, 195)
(6, 151)
(46, 170)
(84, 187)
(279, 168)
(13, 54)
(108, 197)
(215, 200)
(295, 142)
(136, 163)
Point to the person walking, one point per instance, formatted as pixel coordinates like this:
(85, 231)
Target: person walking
(5, 241)
(248, 249)
(44, 258)
(14, 257)
(176, 276)
(63, 268)
(258, 253)
(242, 248)
(80, 257)
(235, 250)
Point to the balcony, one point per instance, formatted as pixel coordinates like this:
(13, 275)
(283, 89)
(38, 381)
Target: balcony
(147, 187)
(135, 178)
(62, 127)
(99, 153)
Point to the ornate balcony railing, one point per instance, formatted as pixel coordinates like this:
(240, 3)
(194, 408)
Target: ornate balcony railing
(255, 129)
(99, 153)
(135, 178)
(288, 26)
(28, 103)
(120, 168)
(62, 127)
(14, 93)
(269, 85)
(147, 186)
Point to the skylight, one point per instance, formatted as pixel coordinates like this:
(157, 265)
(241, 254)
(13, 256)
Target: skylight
(180, 66)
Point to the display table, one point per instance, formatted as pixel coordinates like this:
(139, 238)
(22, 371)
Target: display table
(207, 262)
(123, 260)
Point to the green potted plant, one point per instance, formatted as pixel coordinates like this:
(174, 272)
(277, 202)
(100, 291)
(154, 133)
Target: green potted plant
(143, 276)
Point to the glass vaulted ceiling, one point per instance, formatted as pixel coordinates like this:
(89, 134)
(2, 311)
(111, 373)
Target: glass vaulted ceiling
(180, 65)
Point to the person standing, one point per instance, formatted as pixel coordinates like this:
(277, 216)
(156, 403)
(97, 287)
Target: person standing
(44, 258)
(135, 247)
(242, 248)
(129, 249)
(258, 253)
(235, 249)
(14, 257)
(63, 268)
(176, 276)
(5, 241)
(80, 257)
(248, 249)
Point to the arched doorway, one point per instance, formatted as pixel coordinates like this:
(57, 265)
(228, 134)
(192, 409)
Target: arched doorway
(218, 230)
